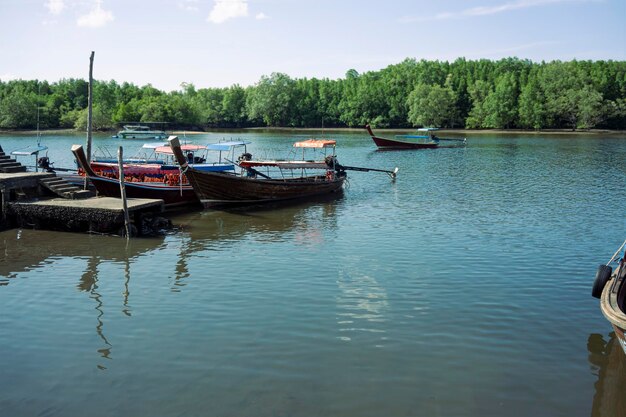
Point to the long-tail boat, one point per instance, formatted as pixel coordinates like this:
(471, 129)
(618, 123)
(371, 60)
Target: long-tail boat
(251, 186)
(161, 161)
(610, 287)
(173, 189)
(429, 140)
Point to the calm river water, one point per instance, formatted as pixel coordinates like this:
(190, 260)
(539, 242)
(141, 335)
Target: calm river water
(461, 289)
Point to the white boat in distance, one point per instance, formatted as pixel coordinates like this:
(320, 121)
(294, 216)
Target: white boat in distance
(141, 131)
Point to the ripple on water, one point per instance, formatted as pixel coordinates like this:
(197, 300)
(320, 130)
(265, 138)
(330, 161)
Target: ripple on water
(462, 288)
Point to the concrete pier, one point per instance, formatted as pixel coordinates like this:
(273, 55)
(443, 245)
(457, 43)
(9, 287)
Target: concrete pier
(28, 201)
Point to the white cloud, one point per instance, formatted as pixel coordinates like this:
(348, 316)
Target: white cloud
(521, 4)
(189, 5)
(490, 10)
(261, 16)
(55, 6)
(96, 18)
(228, 9)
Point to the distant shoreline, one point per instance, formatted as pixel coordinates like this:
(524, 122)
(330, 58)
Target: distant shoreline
(347, 129)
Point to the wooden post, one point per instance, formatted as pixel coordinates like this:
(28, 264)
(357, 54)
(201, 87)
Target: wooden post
(120, 164)
(89, 112)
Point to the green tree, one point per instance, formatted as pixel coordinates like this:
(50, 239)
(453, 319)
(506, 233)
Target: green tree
(478, 115)
(431, 105)
(590, 108)
(18, 108)
(531, 108)
(500, 104)
(234, 106)
(272, 100)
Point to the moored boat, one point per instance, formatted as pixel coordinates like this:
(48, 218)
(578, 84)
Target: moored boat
(141, 131)
(160, 163)
(173, 189)
(254, 187)
(428, 140)
(610, 286)
(33, 151)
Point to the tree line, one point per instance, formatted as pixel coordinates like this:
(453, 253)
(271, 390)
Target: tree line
(509, 93)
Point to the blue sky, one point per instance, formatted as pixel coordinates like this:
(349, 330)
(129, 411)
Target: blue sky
(220, 43)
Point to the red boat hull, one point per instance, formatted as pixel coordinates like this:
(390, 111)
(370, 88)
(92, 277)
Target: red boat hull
(388, 143)
(172, 195)
(398, 144)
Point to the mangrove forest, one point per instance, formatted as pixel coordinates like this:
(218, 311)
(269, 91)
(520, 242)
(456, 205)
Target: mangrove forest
(509, 93)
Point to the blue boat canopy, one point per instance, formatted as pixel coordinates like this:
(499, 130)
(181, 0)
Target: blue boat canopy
(225, 146)
(30, 150)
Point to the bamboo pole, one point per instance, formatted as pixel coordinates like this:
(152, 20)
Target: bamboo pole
(89, 112)
(120, 164)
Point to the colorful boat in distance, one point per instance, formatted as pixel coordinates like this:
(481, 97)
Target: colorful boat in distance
(426, 141)
(215, 189)
(162, 164)
(169, 188)
(141, 131)
(245, 160)
(610, 287)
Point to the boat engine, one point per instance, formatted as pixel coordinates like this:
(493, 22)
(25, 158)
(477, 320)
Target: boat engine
(331, 161)
(245, 157)
(44, 163)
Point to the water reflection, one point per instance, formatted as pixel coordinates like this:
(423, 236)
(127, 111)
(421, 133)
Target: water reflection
(303, 223)
(24, 250)
(607, 357)
(89, 283)
(362, 305)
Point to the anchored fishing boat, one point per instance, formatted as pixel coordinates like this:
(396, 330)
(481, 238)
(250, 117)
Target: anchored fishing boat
(158, 180)
(173, 189)
(428, 140)
(263, 181)
(160, 162)
(254, 187)
(33, 151)
(610, 287)
(141, 131)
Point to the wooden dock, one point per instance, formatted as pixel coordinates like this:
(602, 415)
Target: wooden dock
(29, 200)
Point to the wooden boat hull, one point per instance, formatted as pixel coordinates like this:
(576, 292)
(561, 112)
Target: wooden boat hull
(388, 143)
(399, 144)
(227, 189)
(619, 332)
(613, 303)
(172, 195)
(219, 189)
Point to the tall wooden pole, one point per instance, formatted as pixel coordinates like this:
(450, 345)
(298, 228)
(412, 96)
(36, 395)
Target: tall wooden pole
(89, 111)
(120, 163)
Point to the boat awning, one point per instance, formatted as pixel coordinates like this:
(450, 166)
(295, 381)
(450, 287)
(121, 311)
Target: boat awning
(225, 146)
(285, 164)
(412, 136)
(185, 148)
(315, 143)
(31, 150)
(153, 145)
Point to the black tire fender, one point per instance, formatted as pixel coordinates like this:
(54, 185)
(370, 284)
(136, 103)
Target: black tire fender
(602, 277)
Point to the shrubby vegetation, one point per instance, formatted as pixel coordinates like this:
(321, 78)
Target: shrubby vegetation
(504, 94)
